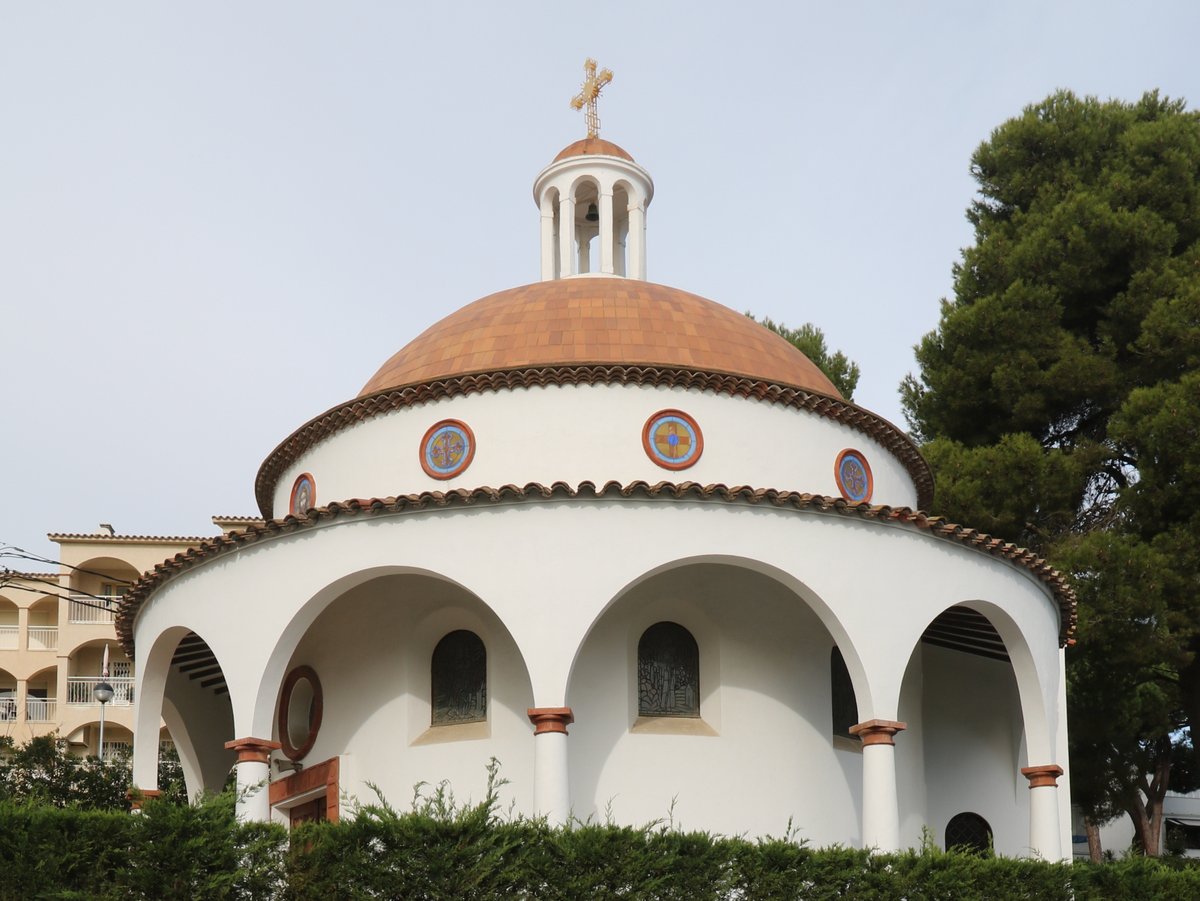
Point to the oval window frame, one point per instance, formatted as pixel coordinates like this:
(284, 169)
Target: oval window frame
(285, 702)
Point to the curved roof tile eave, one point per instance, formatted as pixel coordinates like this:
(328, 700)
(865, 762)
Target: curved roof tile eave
(1055, 583)
(360, 409)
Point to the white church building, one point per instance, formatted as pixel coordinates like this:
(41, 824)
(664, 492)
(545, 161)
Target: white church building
(635, 547)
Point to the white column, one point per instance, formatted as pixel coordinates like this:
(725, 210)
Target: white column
(881, 810)
(1044, 839)
(636, 264)
(20, 699)
(145, 758)
(23, 628)
(606, 232)
(551, 789)
(582, 234)
(566, 236)
(547, 208)
(253, 777)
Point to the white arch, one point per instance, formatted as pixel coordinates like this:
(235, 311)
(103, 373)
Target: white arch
(275, 666)
(829, 619)
(151, 705)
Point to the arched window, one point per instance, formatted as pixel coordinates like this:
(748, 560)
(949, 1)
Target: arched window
(845, 706)
(668, 672)
(969, 832)
(458, 677)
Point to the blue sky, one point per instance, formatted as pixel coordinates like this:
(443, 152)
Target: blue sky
(218, 219)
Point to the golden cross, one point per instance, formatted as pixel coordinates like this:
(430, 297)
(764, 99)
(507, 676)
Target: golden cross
(592, 84)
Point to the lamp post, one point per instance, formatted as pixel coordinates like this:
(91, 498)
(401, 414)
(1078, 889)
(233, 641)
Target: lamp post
(102, 692)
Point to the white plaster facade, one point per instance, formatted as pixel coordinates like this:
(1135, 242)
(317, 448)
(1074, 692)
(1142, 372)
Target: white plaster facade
(560, 584)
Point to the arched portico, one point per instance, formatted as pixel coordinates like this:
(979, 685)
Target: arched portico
(182, 683)
(369, 639)
(765, 699)
(975, 709)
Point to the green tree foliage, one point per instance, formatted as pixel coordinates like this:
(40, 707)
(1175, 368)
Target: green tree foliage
(43, 771)
(1059, 403)
(810, 341)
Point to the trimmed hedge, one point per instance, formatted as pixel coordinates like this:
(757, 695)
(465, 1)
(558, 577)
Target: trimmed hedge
(441, 852)
(169, 851)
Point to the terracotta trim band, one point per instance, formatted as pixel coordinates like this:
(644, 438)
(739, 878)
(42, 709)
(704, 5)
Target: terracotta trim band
(136, 796)
(252, 750)
(309, 779)
(550, 719)
(791, 501)
(1042, 776)
(878, 732)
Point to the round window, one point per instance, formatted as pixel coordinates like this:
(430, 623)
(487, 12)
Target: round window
(300, 708)
(853, 474)
(447, 449)
(304, 495)
(672, 439)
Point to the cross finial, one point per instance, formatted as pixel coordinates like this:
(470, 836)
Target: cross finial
(592, 83)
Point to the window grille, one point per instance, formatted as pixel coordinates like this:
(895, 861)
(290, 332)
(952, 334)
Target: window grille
(668, 672)
(459, 679)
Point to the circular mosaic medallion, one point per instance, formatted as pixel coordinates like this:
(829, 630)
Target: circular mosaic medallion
(853, 474)
(447, 449)
(672, 439)
(304, 495)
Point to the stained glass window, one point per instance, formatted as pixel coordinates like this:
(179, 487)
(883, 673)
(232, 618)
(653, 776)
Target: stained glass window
(668, 672)
(845, 706)
(459, 679)
(969, 832)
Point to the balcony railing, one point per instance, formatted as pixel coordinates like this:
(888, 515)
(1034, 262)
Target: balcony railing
(8, 709)
(43, 638)
(93, 610)
(41, 710)
(80, 691)
(8, 638)
(116, 749)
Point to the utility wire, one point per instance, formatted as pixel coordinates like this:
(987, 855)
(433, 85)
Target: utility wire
(11, 550)
(8, 580)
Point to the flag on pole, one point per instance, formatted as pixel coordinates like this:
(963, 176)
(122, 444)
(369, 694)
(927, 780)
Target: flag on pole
(104, 668)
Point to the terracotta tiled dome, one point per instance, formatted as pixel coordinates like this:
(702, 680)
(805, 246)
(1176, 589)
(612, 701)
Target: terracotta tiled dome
(597, 146)
(606, 321)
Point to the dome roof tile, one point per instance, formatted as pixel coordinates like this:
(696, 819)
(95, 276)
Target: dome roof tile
(605, 321)
(589, 146)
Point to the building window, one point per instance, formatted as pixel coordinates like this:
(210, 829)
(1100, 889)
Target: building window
(459, 679)
(969, 832)
(668, 672)
(301, 707)
(845, 707)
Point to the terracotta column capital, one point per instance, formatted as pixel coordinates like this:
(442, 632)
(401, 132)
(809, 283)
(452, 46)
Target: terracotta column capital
(253, 750)
(135, 796)
(878, 732)
(550, 719)
(1042, 776)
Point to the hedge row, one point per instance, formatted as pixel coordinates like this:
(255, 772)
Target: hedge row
(178, 852)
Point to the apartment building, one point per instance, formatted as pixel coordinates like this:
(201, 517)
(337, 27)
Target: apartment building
(54, 630)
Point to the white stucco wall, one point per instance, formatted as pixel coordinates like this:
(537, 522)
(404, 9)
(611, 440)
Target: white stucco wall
(765, 753)
(575, 433)
(558, 590)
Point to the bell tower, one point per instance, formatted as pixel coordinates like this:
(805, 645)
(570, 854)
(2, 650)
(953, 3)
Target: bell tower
(593, 201)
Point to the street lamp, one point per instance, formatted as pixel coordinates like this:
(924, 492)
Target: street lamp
(102, 692)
